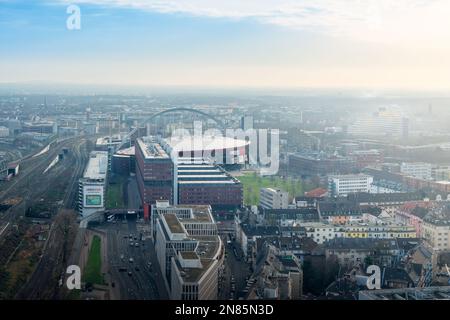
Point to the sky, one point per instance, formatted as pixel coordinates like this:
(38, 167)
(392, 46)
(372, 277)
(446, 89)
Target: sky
(386, 44)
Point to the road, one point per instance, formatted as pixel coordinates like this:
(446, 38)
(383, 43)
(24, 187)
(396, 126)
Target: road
(134, 199)
(236, 273)
(145, 281)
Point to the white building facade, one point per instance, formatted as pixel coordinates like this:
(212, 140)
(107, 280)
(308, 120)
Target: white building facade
(270, 198)
(419, 170)
(343, 185)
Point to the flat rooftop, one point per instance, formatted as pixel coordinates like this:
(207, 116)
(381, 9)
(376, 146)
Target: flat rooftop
(193, 143)
(209, 176)
(201, 213)
(207, 250)
(173, 223)
(97, 166)
(127, 152)
(350, 176)
(204, 174)
(207, 182)
(429, 293)
(104, 141)
(151, 149)
(190, 255)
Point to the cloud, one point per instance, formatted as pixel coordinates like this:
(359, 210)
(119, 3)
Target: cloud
(371, 20)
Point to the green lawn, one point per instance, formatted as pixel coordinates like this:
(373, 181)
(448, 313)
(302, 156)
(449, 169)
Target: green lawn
(92, 271)
(253, 183)
(114, 194)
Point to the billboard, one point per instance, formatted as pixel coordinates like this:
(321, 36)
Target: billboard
(93, 196)
(93, 200)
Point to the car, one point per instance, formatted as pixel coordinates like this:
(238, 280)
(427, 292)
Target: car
(113, 284)
(131, 260)
(136, 244)
(137, 269)
(130, 273)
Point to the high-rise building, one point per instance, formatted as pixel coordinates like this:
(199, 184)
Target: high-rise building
(154, 173)
(247, 122)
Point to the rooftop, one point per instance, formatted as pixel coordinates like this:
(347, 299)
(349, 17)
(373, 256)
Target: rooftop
(200, 143)
(316, 193)
(127, 152)
(189, 255)
(340, 207)
(97, 166)
(206, 251)
(350, 176)
(173, 223)
(361, 244)
(429, 293)
(201, 213)
(204, 174)
(151, 149)
(104, 141)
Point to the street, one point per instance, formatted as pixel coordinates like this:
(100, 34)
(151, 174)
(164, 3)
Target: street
(136, 279)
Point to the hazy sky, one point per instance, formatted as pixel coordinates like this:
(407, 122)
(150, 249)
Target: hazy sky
(281, 43)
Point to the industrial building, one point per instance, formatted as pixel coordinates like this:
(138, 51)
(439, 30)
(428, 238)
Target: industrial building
(93, 184)
(189, 250)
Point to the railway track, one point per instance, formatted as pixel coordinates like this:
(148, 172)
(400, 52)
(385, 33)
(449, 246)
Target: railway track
(43, 283)
(30, 183)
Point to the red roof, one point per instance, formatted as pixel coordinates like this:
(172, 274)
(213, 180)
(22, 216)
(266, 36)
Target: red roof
(316, 193)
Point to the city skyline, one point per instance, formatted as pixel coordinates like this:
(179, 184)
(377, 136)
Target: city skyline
(316, 44)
